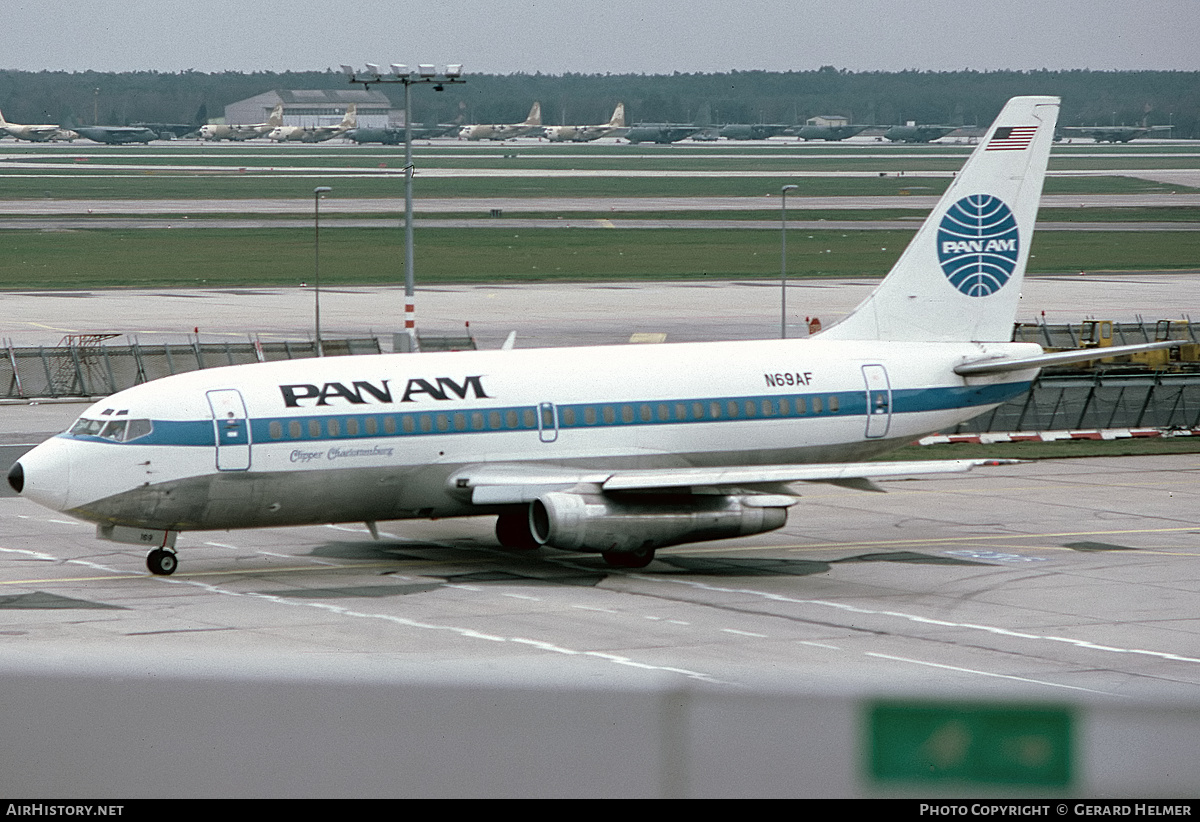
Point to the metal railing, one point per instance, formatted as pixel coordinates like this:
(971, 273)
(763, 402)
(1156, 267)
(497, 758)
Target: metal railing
(89, 369)
(1087, 401)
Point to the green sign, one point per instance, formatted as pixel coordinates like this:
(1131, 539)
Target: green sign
(970, 743)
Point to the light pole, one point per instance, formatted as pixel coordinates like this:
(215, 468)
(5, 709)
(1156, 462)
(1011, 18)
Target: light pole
(425, 73)
(783, 192)
(317, 192)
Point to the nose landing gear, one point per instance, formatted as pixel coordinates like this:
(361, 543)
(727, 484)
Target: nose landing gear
(162, 562)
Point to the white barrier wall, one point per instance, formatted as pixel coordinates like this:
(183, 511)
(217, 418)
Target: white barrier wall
(78, 724)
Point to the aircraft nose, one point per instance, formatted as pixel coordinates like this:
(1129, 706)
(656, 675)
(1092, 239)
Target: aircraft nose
(42, 474)
(16, 477)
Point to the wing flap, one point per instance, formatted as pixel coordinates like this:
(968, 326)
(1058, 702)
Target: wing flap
(514, 483)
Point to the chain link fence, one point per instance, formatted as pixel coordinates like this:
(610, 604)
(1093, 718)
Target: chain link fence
(90, 370)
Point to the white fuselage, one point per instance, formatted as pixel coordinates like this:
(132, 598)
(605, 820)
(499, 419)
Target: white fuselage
(380, 437)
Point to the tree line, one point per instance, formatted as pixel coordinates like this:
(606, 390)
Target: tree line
(876, 98)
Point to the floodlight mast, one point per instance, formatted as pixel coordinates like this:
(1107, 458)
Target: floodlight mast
(400, 73)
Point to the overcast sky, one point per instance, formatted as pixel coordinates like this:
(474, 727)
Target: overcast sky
(617, 36)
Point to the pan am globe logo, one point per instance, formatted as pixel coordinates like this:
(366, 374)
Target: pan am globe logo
(977, 244)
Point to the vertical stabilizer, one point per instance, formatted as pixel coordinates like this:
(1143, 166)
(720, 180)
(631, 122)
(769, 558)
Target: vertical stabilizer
(960, 277)
(618, 116)
(535, 116)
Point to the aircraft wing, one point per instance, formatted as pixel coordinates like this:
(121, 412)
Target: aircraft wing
(514, 483)
(1000, 365)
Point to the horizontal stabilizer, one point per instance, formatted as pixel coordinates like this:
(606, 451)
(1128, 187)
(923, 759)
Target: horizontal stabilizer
(1001, 366)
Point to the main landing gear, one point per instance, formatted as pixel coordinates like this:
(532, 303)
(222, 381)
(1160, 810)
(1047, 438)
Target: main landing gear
(162, 562)
(628, 559)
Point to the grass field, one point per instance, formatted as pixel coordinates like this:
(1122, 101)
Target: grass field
(178, 257)
(187, 258)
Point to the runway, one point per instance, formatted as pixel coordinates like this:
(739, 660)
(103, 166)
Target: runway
(552, 205)
(138, 223)
(544, 314)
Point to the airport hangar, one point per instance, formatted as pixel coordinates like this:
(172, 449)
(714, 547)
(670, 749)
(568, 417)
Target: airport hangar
(316, 107)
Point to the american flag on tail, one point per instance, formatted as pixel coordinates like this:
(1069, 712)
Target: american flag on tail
(1012, 138)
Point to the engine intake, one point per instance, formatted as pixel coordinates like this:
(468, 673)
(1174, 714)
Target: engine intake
(638, 522)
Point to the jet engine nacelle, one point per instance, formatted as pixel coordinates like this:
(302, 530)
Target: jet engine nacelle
(639, 522)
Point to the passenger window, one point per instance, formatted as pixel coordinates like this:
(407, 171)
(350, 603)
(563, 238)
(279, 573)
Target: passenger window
(295, 430)
(371, 426)
(352, 427)
(816, 405)
(335, 428)
(834, 404)
(314, 429)
(275, 429)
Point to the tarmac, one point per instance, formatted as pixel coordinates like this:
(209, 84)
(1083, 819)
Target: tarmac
(1053, 578)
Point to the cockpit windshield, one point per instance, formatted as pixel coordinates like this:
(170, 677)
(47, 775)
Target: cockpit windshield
(116, 430)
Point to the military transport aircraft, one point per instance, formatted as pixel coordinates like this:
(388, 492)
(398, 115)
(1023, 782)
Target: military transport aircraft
(617, 450)
(243, 131)
(499, 131)
(35, 134)
(116, 135)
(661, 132)
(394, 135)
(316, 134)
(913, 133)
(826, 132)
(1111, 134)
(753, 131)
(615, 127)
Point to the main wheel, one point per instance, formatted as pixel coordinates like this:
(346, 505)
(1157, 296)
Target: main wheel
(512, 531)
(628, 559)
(162, 562)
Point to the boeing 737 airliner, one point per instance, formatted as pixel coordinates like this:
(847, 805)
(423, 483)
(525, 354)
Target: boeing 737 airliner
(615, 450)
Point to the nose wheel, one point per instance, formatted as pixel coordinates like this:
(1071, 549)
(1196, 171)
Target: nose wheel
(162, 562)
